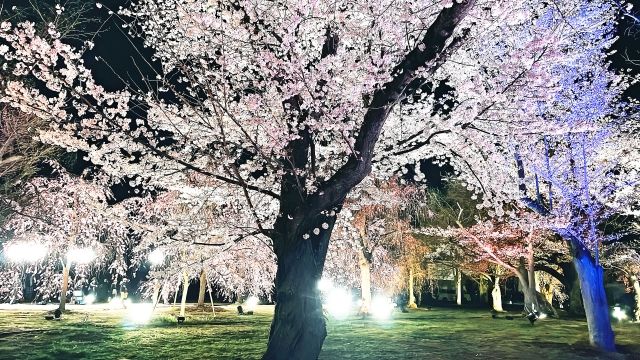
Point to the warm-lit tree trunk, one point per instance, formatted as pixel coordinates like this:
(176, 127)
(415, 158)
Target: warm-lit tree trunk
(185, 288)
(412, 297)
(458, 287)
(365, 283)
(636, 288)
(65, 286)
(203, 288)
(594, 297)
(547, 292)
(496, 295)
(533, 300)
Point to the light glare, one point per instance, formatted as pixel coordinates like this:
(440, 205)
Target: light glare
(139, 314)
(156, 257)
(339, 303)
(619, 314)
(251, 303)
(30, 251)
(81, 255)
(325, 284)
(89, 299)
(381, 307)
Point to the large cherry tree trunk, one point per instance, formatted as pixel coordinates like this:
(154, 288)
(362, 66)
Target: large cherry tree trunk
(533, 300)
(594, 297)
(298, 329)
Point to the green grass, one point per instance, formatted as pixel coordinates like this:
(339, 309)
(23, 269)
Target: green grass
(420, 334)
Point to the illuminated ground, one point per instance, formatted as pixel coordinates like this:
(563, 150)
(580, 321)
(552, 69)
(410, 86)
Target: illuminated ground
(96, 333)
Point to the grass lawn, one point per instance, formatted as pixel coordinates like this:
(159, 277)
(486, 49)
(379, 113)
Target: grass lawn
(89, 333)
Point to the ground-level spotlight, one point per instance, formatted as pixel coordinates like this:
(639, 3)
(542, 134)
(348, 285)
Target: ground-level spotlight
(619, 314)
(89, 299)
(532, 317)
(115, 303)
(382, 307)
(251, 303)
(139, 314)
(339, 303)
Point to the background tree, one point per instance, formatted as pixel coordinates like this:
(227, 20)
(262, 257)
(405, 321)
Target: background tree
(70, 223)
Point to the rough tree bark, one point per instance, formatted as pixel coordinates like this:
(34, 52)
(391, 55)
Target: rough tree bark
(364, 261)
(65, 286)
(302, 230)
(203, 288)
(298, 328)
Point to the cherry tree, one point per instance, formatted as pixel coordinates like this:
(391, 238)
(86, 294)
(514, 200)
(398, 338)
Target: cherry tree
(373, 233)
(67, 224)
(283, 106)
(192, 240)
(513, 246)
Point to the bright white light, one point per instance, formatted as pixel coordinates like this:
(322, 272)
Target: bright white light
(81, 255)
(156, 257)
(381, 307)
(139, 313)
(619, 314)
(30, 251)
(115, 303)
(251, 303)
(89, 299)
(339, 303)
(325, 284)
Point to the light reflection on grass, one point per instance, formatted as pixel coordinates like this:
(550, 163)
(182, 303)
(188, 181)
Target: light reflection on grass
(419, 334)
